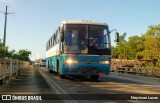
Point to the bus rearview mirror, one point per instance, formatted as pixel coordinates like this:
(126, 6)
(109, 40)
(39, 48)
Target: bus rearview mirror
(117, 37)
(62, 35)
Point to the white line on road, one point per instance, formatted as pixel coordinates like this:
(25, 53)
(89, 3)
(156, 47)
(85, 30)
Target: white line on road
(57, 88)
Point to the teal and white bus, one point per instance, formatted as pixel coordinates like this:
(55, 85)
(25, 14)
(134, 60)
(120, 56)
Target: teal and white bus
(80, 48)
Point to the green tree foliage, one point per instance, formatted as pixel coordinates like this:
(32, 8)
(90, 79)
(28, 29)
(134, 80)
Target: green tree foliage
(134, 46)
(21, 54)
(24, 55)
(152, 42)
(147, 46)
(120, 50)
(3, 50)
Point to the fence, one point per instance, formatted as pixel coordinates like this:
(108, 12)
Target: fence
(135, 67)
(10, 68)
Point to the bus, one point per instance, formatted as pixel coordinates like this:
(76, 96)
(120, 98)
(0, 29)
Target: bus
(80, 48)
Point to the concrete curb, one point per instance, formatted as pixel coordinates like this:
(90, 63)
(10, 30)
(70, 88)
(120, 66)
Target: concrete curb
(55, 86)
(51, 83)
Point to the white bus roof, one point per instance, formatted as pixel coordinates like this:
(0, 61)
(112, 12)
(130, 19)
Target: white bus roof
(83, 22)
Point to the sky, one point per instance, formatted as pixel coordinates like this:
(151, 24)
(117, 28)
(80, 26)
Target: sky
(36, 20)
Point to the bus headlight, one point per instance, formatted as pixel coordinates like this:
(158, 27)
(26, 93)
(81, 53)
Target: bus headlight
(70, 61)
(104, 62)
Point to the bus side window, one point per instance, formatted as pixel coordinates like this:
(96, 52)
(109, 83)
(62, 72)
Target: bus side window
(54, 39)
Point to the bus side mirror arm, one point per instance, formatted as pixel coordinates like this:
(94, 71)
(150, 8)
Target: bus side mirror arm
(62, 35)
(116, 35)
(61, 48)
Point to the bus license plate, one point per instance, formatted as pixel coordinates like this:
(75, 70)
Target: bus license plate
(88, 70)
(101, 73)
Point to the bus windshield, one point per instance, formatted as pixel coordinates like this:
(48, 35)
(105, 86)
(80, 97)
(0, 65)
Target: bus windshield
(86, 39)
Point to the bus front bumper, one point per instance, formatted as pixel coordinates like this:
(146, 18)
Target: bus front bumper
(85, 69)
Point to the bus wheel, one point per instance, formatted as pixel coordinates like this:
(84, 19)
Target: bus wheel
(50, 71)
(62, 76)
(94, 77)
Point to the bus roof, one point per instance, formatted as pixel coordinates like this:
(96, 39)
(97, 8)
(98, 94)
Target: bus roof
(83, 22)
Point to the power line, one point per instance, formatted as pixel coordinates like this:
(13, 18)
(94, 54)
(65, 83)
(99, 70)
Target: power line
(5, 25)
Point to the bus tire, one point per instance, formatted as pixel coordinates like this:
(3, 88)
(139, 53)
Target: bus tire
(62, 76)
(94, 77)
(50, 71)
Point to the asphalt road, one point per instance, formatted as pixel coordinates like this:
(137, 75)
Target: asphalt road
(39, 81)
(105, 85)
(30, 83)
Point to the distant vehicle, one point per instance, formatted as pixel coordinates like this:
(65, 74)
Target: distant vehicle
(80, 48)
(43, 63)
(36, 63)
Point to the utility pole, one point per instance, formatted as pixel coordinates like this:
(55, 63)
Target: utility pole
(5, 25)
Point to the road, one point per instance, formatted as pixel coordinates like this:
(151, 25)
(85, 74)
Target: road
(29, 83)
(105, 85)
(39, 81)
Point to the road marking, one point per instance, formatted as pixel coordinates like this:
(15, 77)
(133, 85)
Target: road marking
(57, 88)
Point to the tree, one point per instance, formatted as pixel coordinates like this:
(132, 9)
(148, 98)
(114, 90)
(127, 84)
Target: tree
(23, 54)
(151, 42)
(3, 50)
(134, 46)
(146, 46)
(120, 49)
